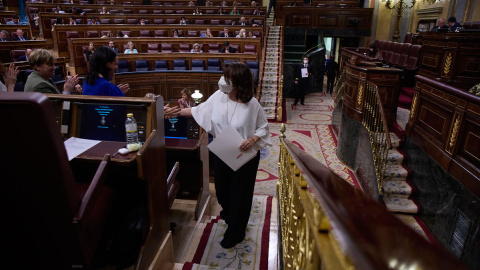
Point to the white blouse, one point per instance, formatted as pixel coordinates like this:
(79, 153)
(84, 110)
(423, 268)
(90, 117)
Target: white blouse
(247, 118)
(3, 88)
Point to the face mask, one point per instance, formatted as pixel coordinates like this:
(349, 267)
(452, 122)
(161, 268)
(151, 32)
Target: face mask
(224, 86)
(305, 62)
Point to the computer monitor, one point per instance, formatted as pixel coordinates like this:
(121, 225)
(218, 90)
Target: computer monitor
(104, 122)
(176, 127)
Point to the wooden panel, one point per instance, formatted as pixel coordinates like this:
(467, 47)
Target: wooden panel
(435, 120)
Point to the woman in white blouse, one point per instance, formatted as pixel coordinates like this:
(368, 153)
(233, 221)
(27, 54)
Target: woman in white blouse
(234, 105)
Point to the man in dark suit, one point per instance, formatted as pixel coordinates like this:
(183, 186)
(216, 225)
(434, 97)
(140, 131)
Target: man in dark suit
(302, 81)
(4, 36)
(226, 48)
(225, 33)
(331, 69)
(111, 44)
(453, 24)
(440, 25)
(77, 11)
(20, 36)
(25, 56)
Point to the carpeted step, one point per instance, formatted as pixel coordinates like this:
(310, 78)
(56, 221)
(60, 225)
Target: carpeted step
(395, 157)
(190, 266)
(400, 204)
(408, 91)
(393, 139)
(397, 188)
(394, 172)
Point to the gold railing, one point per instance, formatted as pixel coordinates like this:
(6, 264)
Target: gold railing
(328, 224)
(375, 122)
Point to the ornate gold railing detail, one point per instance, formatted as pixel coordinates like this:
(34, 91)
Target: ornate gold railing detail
(307, 239)
(375, 122)
(280, 101)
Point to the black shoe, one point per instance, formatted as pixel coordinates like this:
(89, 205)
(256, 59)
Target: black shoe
(223, 216)
(294, 104)
(302, 103)
(231, 242)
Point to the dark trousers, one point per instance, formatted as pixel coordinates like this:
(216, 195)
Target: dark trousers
(300, 91)
(235, 194)
(330, 83)
(270, 5)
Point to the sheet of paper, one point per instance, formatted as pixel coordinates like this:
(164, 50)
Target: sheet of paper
(225, 146)
(76, 146)
(304, 72)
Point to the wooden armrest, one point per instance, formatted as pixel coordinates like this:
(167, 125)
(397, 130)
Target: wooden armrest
(91, 196)
(173, 173)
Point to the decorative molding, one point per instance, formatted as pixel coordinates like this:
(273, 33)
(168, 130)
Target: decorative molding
(448, 64)
(454, 134)
(360, 94)
(429, 10)
(414, 106)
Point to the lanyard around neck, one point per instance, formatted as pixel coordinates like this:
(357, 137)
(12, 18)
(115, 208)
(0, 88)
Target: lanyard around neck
(233, 113)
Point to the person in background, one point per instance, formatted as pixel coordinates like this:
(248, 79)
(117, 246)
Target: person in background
(196, 48)
(4, 36)
(72, 20)
(103, 64)
(43, 65)
(209, 4)
(15, 20)
(89, 51)
(331, 69)
(176, 33)
(453, 24)
(142, 21)
(221, 11)
(233, 22)
(374, 53)
(58, 22)
(130, 48)
(272, 4)
(225, 33)
(8, 77)
(25, 56)
(234, 11)
(197, 12)
(191, 4)
(93, 21)
(224, 4)
(121, 35)
(183, 21)
(250, 34)
(20, 36)
(243, 21)
(59, 9)
(208, 33)
(253, 3)
(440, 25)
(186, 101)
(75, 10)
(226, 48)
(304, 72)
(234, 105)
(104, 11)
(242, 33)
(257, 11)
(252, 22)
(111, 44)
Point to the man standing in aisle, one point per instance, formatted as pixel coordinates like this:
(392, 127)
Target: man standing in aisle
(331, 69)
(302, 81)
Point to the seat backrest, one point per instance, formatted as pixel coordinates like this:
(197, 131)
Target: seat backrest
(192, 33)
(199, 21)
(169, 11)
(141, 65)
(132, 21)
(143, 11)
(249, 48)
(179, 64)
(404, 50)
(396, 53)
(123, 66)
(408, 37)
(92, 34)
(247, 12)
(180, 11)
(113, 11)
(105, 21)
(171, 21)
(161, 65)
(45, 224)
(15, 54)
(127, 32)
(167, 47)
(184, 48)
(213, 64)
(127, 11)
(158, 11)
(236, 47)
(198, 64)
(413, 55)
(214, 22)
(153, 48)
(213, 48)
(145, 33)
(160, 33)
(72, 34)
(105, 33)
(209, 11)
(158, 21)
(118, 21)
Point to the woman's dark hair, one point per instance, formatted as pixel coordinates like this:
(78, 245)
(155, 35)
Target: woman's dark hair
(98, 64)
(241, 79)
(59, 20)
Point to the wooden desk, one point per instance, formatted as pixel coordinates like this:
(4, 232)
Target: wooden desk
(194, 168)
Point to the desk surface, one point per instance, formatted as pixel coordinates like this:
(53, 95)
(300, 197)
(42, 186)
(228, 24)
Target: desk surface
(107, 147)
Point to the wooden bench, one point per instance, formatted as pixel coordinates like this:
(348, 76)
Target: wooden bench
(61, 37)
(7, 47)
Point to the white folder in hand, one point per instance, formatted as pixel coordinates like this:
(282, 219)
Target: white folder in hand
(225, 146)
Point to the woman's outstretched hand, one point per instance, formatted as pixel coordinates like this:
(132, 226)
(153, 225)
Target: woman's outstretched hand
(171, 112)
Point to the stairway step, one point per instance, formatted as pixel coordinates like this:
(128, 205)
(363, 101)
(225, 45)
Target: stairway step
(399, 204)
(395, 173)
(394, 157)
(195, 266)
(398, 188)
(393, 139)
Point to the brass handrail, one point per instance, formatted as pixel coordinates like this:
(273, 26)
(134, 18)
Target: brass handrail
(375, 122)
(328, 224)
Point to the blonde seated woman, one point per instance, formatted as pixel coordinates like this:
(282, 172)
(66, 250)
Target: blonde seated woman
(242, 33)
(130, 48)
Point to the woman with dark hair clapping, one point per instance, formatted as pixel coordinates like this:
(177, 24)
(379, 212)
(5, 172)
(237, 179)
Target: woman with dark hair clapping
(102, 66)
(234, 105)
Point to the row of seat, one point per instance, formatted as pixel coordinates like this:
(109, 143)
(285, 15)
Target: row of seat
(157, 21)
(183, 48)
(181, 65)
(159, 11)
(148, 33)
(401, 55)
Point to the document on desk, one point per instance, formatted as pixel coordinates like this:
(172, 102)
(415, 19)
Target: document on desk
(76, 146)
(225, 146)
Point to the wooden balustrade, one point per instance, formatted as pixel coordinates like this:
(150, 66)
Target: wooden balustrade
(444, 122)
(327, 223)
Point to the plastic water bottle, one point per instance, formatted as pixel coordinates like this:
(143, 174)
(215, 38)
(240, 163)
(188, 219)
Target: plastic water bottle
(131, 128)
